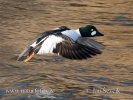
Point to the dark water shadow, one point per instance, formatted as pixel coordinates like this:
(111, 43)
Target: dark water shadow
(78, 5)
(130, 46)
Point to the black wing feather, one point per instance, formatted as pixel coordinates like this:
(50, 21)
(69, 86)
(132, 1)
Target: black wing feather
(90, 42)
(73, 50)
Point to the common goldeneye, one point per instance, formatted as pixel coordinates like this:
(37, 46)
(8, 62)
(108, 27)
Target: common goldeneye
(66, 42)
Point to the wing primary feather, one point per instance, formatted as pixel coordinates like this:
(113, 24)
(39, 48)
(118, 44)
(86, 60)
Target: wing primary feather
(68, 53)
(78, 56)
(63, 51)
(70, 46)
(77, 52)
(95, 50)
(90, 51)
(86, 53)
(82, 54)
(74, 55)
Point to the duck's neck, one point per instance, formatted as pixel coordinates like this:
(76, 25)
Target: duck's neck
(78, 32)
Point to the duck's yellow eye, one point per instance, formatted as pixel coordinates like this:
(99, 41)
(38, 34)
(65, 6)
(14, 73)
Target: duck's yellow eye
(92, 30)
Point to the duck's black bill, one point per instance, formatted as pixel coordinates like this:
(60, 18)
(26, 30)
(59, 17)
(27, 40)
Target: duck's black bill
(26, 55)
(99, 34)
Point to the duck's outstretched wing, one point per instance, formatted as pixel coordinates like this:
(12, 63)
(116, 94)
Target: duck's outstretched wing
(73, 50)
(90, 42)
(39, 38)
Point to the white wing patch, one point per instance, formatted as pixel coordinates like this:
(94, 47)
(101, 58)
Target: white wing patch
(49, 44)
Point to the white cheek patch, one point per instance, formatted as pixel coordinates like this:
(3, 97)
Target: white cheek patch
(93, 33)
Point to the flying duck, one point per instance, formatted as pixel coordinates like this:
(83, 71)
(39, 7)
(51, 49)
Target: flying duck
(66, 42)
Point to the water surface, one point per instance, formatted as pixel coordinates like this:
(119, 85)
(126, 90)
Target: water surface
(22, 20)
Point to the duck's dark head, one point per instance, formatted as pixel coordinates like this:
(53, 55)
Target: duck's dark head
(89, 31)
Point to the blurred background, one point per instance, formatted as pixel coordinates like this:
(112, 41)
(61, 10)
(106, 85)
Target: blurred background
(22, 20)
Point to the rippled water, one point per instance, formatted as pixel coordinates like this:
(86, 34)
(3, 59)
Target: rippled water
(60, 78)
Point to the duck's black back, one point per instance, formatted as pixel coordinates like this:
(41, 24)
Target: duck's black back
(50, 32)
